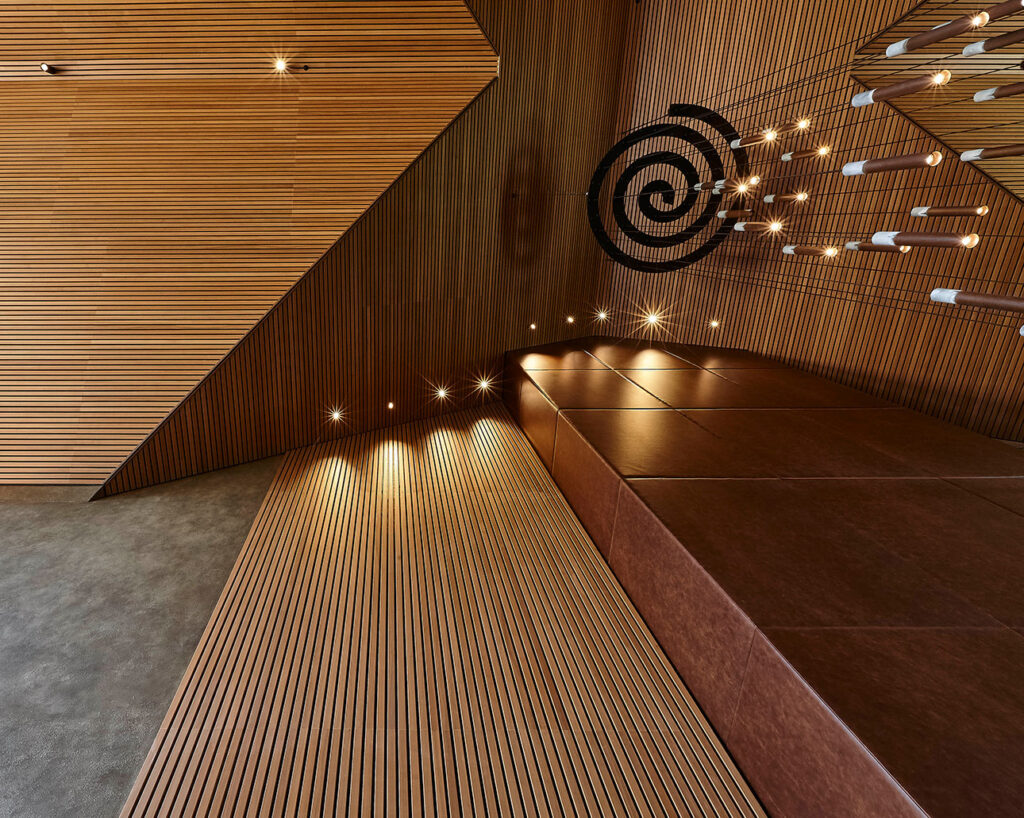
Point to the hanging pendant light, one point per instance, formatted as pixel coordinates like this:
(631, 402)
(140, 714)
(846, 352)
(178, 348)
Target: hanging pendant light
(909, 161)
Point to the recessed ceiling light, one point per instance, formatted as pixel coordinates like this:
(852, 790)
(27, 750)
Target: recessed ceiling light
(391, 405)
(336, 415)
(442, 393)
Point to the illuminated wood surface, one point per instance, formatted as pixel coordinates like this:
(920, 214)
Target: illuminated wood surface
(418, 625)
(166, 187)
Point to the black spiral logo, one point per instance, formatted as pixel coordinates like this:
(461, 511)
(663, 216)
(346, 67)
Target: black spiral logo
(656, 200)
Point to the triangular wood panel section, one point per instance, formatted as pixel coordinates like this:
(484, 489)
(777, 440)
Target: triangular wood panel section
(166, 187)
(863, 319)
(483, 236)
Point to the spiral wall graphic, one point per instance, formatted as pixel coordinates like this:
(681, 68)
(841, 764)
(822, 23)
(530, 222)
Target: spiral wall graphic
(655, 234)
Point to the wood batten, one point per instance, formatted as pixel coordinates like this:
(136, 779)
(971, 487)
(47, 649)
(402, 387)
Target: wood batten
(417, 625)
(477, 241)
(165, 187)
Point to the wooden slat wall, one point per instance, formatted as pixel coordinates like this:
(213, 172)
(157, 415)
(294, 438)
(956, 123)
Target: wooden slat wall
(418, 625)
(166, 188)
(444, 274)
(863, 320)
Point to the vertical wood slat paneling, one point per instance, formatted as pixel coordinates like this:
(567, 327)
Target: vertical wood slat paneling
(166, 188)
(446, 272)
(862, 319)
(418, 625)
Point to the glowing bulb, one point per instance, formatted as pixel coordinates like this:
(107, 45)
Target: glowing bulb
(280, 64)
(442, 393)
(754, 180)
(804, 124)
(769, 135)
(831, 252)
(602, 316)
(391, 405)
(484, 384)
(742, 187)
(982, 211)
(801, 196)
(980, 19)
(824, 150)
(652, 319)
(336, 415)
(533, 326)
(713, 324)
(970, 240)
(775, 227)
(570, 320)
(933, 158)
(941, 77)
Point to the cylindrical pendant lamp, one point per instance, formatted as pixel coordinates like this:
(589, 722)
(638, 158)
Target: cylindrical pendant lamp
(994, 43)
(804, 250)
(769, 135)
(903, 238)
(930, 212)
(990, 301)
(908, 162)
(953, 28)
(901, 89)
(1011, 90)
(753, 227)
(792, 156)
(773, 198)
(992, 153)
(868, 247)
(1000, 10)
(734, 214)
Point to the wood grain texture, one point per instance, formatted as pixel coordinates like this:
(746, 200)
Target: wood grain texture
(446, 272)
(166, 187)
(862, 319)
(418, 625)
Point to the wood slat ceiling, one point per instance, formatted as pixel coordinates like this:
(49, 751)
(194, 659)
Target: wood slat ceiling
(446, 272)
(862, 319)
(418, 624)
(166, 187)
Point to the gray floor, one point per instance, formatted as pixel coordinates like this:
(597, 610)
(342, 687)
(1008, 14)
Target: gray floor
(101, 606)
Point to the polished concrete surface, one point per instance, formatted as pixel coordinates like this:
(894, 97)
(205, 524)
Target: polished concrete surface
(101, 606)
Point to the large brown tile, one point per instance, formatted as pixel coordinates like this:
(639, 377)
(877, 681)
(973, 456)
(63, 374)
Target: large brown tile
(538, 418)
(589, 484)
(791, 388)
(974, 547)
(792, 447)
(705, 635)
(1007, 492)
(593, 389)
(699, 389)
(628, 354)
(938, 448)
(566, 355)
(942, 709)
(662, 443)
(798, 756)
(787, 562)
(723, 357)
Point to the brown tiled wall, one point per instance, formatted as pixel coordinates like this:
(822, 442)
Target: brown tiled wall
(836, 579)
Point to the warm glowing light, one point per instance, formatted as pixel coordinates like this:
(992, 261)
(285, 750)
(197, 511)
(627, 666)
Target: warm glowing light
(754, 180)
(775, 227)
(978, 20)
(941, 77)
(933, 158)
(280, 64)
(742, 187)
(713, 324)
(769, 135)
(484, 384)
(824, 150)
(970, 240)
(831, 252)
(335, 415)
(441, 393)
(391, 405)
(982, 211)
(602, 316)
(801, 196)
(804, 124)
(652, 319)
(570, 320)
(533, 326)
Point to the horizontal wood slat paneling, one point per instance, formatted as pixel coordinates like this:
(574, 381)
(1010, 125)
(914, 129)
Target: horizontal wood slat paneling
(862, 319)
(418, 625)
(166, 187)
(446, 272)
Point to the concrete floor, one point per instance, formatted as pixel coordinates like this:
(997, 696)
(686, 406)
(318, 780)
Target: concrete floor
(101, 607)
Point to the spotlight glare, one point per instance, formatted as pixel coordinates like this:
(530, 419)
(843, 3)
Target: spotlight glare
(391, 405)
(570, 320)
(970, 240)
(941, 77)
(602, 316)
(442, 393)
(336, 415)
(713, 324)
(824, 150)
(742, 187)
(769, 135)
(804, 124)
(280, 64)
(484, 384)
(801, 196)
(652, 319)
(831, 252)
(775, 227)
(533, 326)
(980, 19)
